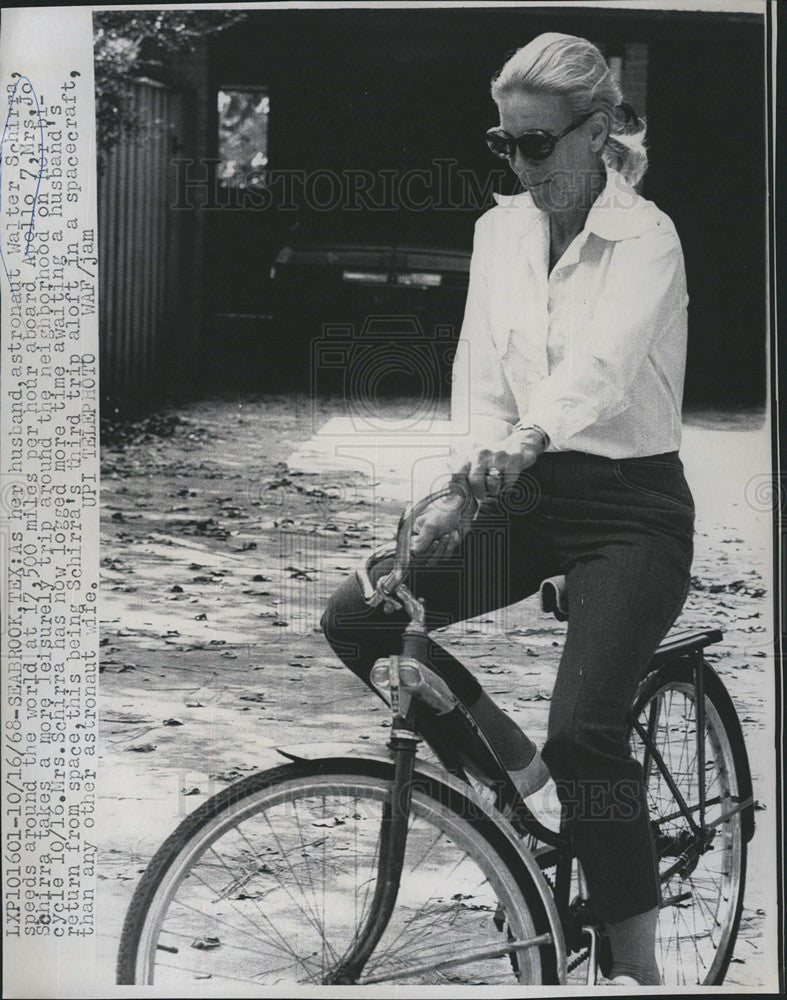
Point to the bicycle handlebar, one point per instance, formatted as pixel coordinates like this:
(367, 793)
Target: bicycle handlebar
(388, 584)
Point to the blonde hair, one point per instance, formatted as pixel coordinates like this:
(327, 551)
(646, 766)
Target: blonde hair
(573, 68)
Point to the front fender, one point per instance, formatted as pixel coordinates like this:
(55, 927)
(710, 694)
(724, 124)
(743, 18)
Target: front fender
(333, 748)
(314, 752)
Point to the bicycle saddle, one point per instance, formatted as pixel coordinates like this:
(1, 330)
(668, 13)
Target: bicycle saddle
(554, 597)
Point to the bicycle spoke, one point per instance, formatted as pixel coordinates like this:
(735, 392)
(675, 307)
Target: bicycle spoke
(370, 881)
(257, 856)
(420, 912)
(233, 947)
(325, 943)
(190, 937)
(213, 851)
(274, 894)
(215, 975)
(238, 930)
(410, 953)
(312, 918)
(491, 952)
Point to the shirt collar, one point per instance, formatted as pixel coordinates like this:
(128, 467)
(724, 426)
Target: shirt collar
(618, 213)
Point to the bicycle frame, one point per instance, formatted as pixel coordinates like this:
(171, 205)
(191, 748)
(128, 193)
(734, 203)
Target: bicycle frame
(409, 679)
(702, 833)
(393, 841)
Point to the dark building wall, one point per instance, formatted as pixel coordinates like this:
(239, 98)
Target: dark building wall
(397, 90)
(707, 136)
(187, 74)
(152, 254)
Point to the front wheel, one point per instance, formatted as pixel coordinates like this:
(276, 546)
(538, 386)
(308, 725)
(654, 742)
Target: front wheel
(702, 889)
(270, 881)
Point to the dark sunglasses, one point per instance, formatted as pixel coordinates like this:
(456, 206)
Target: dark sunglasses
(534, 145)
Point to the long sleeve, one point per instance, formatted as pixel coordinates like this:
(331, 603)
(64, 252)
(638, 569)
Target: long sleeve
(483, 408)
(642, 297)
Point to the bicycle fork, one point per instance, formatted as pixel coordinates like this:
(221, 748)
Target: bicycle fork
(393, 842)
(402, 678)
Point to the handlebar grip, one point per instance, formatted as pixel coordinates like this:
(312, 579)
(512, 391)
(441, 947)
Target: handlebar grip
(459, 486)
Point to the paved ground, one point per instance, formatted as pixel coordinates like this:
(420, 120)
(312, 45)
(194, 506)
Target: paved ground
(225, 528)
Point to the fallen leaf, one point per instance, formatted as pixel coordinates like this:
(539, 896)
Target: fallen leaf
(206, 943)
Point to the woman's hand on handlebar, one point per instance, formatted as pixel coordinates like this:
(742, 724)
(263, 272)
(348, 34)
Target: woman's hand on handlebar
(439, 530)
(497, 466)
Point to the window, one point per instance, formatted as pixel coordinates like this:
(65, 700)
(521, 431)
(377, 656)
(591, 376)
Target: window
(243, 137)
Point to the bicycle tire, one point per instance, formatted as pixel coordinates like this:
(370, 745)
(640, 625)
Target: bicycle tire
(724, 731)
(435, 803)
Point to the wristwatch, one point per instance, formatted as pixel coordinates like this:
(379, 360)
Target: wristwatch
(537, 429)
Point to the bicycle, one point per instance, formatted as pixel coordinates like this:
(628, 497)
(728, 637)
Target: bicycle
(359, 868)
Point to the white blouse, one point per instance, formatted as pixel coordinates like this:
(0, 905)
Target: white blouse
(595, 352)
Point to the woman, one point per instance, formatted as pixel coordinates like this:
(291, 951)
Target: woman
(569, 383)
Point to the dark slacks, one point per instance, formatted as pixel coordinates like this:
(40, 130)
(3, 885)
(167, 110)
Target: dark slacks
(622, 533)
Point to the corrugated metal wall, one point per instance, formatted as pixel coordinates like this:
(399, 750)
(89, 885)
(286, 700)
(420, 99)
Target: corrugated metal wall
(141, 260)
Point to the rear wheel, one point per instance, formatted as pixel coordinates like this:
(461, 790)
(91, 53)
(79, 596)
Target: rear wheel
(270, 882)
(703, 889)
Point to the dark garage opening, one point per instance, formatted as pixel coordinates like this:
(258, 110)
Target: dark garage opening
(401, 91)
